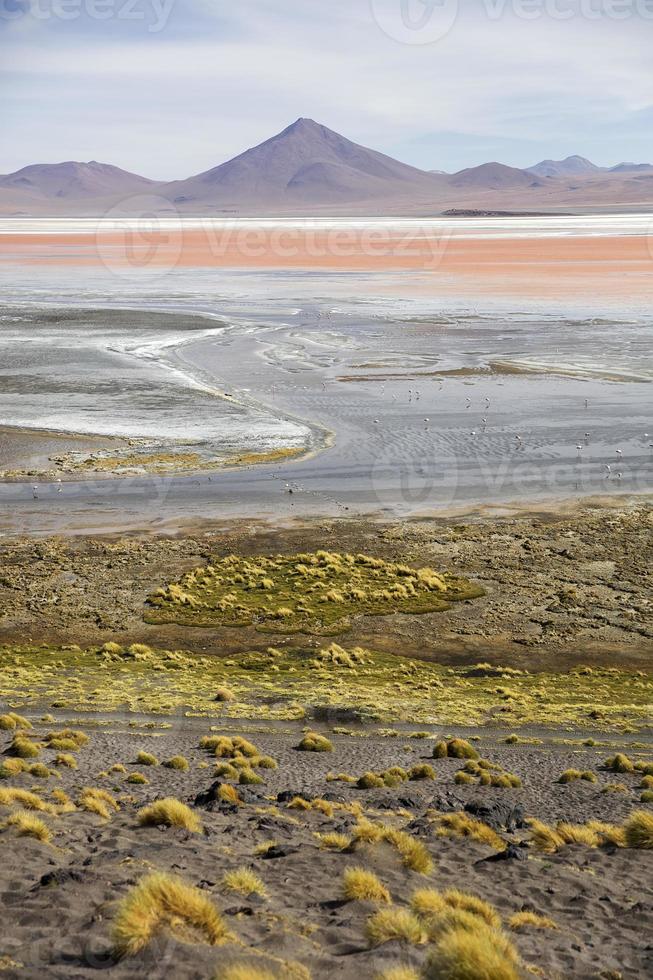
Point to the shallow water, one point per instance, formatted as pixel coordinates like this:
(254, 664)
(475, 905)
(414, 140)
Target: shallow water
(434, 401)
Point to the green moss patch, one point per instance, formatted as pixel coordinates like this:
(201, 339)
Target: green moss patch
(310, 593)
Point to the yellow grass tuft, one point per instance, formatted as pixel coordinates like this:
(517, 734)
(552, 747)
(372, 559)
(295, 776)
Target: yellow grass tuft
(23, 748)
(530, 920)
(413, 853)
(169, 813)
(619, 763)
(162, 902)
(428, 903)
(464, 954)
(11, 767)
(146, 759)
(177, 762)
(24, 799)
(638, 830)
(398, 973)
(244, 881)
(98, 801)
(244, 971)
(314, 742)
(29, 825)
(228, 794)
(361, 885)
(462, 825)
(333, 841)
(64, 802)
(400, 925)
(473, 905)
(65, 759)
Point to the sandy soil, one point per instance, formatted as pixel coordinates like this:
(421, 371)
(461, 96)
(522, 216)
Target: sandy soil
(59, 900)
(29, 451)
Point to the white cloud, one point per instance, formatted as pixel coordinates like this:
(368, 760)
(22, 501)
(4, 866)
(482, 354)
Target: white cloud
(223, 76)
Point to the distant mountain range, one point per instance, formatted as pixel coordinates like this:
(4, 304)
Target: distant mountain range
(310, 169)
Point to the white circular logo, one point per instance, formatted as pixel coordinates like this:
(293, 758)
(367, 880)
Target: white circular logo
(411, 486)
(140, 236)
(415, 21)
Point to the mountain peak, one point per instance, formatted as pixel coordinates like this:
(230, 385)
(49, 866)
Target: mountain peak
(572, 166)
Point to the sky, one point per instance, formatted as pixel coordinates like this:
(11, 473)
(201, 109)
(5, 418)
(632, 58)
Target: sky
(169, 88)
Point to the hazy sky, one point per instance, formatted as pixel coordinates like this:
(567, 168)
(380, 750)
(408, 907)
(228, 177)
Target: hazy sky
(168, 88)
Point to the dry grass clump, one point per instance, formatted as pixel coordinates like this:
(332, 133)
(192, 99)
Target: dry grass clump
(64, 802)
(323, 806)
(463, 825)
(530, 920)
(23, 748)
(66, 740)
(11, 767)
(394, 925)
(413, 853)
(619, 763)
(638, 830)
(421, 770)
(169, 813)
(229, 794)
(398, 973)
(571, 775)
(244, 971)
(11, 721)
(464, 902)
(225, 747)
(224, 694)
(29, 825)
(146, 759)
(65, 759)
(592, 834)
(25, 799)
(463, 778)
(454, 748)
(138, 779)
(609, 833)
(98, 801)
(392, 777)
(370, 780)
(314, 742)
(333, 841)
(361, 885)
(39, 770)
(479, 954)
(244, 881)
(247, 777)
(162, 902)
(178, 762)
(646, 796)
